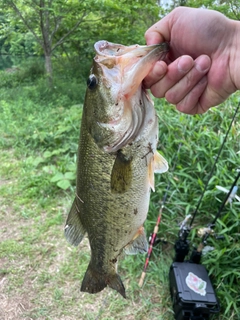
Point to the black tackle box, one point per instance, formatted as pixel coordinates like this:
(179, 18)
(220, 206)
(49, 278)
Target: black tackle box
(192, 293)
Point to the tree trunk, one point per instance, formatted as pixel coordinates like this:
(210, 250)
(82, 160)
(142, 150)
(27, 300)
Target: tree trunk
(48, 68)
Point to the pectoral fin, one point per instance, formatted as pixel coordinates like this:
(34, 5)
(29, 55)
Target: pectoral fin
(121, 176)
(157, 165)
(160, 164)
(74, 230)
(139, 243)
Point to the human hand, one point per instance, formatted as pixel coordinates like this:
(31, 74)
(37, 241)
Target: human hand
(202, 67)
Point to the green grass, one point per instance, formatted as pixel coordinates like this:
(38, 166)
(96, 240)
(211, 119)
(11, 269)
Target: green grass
(41, 272)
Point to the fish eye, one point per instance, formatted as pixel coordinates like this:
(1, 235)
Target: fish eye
(92, 82)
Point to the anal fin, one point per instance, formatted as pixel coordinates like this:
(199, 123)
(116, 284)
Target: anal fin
(74, 230)
(139, 243)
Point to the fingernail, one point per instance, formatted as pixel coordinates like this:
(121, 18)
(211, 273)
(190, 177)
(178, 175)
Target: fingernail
(185, 63)
(203, 63)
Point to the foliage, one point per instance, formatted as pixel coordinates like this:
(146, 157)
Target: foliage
(230, 8)
(71, 27)
(198, 140)
(39, 131)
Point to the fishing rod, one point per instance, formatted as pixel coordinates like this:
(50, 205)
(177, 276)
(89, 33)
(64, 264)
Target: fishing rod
(182, 244)
(215, 162)
(191, 290)
(207, 231)
(153, 236)
(189, 280)
(225, 201)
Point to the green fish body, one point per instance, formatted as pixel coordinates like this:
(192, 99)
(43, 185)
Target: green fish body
(117, 158)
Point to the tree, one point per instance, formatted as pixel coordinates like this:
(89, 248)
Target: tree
(44, 18)
(230, 8)
(74, 24)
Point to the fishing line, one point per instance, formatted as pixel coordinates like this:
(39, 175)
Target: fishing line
(220, 209)
(197, 252)
(214, 165)
(226, 198)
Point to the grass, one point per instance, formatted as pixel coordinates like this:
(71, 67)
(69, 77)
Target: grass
(40, 274)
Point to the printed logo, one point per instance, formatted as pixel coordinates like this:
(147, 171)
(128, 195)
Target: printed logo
(196, 284)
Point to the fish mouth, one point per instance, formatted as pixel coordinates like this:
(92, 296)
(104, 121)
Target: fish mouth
(121, 70)
(133, 63)
(108, 49)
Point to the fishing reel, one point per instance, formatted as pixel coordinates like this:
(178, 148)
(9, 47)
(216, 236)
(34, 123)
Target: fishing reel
(155, 240)
(182, 244)
(205, 232)
(191, 290)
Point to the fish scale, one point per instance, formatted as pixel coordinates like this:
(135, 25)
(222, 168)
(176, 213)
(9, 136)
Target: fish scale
(117, 158)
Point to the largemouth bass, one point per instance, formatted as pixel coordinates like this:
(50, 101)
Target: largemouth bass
(117, 158)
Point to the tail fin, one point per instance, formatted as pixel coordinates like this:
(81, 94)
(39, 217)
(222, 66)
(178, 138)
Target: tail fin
(94, 282)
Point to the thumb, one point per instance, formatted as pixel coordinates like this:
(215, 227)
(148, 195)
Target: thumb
(159, 32)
